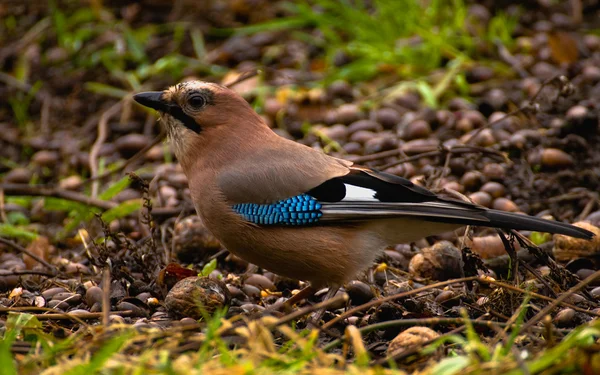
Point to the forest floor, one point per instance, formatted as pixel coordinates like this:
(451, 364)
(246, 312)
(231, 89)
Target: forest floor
(105, 268)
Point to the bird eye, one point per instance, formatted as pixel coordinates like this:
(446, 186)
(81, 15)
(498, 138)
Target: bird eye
(197, 101)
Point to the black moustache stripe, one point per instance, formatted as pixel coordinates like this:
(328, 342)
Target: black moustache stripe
(186, 120)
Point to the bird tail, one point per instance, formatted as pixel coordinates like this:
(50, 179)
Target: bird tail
(446, 212)
(509, 220)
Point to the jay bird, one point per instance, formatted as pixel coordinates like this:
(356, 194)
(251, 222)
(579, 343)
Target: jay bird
(294, 210)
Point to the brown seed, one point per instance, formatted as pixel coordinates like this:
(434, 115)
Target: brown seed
(18, 175)
(555, 158)
(49, 293)
(251, 291)
(595, 292)
(591, 73)
(348, 113)
(565, 317)
(70, 183)
(445, 296)
(353, 148)
(93, 295)
(58, 305)
(481, 198)
(70, 298)
(496, 99)
(260, 282)
(73, 268)
(379, 144)
(495, 189)
(364, 125)
(494, 171)
(464, 125)
(387, 117)
(337, 132)
(128, 306)
(362, 136)
(488, 246)
(359, 292)
(472, 180)
(340, 89)
(591, 41)
(454, 185)
(45, 158)
(504, 204)
(544, 70)
(415, 130)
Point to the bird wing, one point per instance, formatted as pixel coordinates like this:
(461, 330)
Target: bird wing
(333, 192)
(367, 194)
(275, 172)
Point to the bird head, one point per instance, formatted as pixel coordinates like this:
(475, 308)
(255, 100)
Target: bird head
(199, 114)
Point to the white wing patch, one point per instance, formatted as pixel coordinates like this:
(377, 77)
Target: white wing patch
(357, 193)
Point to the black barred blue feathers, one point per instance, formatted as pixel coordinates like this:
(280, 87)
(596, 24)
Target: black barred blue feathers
(299, 210)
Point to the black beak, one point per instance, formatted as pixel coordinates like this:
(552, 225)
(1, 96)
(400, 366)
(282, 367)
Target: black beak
(152, 99)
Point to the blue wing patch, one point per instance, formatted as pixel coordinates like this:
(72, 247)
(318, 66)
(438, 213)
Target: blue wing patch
(299, 210)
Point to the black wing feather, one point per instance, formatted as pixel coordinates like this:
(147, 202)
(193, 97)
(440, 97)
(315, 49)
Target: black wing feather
(399, 197)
